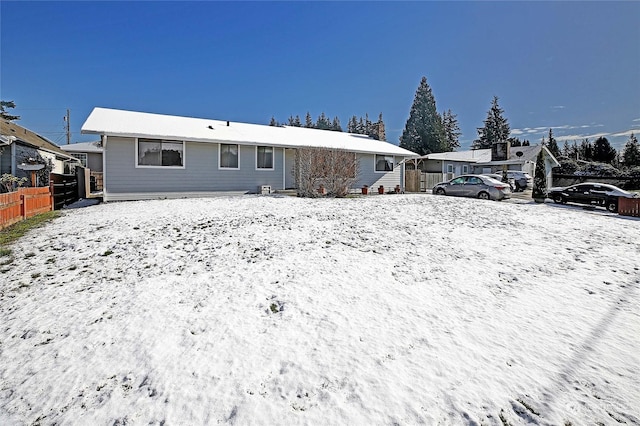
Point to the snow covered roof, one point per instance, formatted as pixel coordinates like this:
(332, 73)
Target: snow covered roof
(95, 146)
(473, 156)
(112, 122)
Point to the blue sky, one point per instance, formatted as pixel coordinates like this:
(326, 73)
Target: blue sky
(572, 66)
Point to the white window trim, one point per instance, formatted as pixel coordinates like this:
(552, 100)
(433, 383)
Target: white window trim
(375, 163)
(184, 157)
(450, 166)
(220, 154)
(465, 169)
(273, 158)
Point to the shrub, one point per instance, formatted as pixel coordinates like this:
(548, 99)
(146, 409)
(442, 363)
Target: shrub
(540, 178)
(334, 169)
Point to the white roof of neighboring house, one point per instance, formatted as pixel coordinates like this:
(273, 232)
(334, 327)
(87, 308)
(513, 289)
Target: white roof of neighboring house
(114, 122)
(473, 156)
(83, 147)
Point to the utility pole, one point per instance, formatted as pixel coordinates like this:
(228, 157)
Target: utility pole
(67, 119)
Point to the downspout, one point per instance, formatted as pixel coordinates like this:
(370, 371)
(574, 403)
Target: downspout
(284, 168)
(13, 158)
(104, 168)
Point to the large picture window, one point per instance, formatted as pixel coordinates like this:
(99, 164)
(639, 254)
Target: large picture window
(160, 153)
(264, 157)
(384, 163)
(229, 156)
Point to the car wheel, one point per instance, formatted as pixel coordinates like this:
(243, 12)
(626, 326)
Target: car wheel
(558, 199)
(440, 191)
(483, 195)
(612, 206)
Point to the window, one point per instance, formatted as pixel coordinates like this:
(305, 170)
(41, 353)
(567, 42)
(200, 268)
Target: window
(160, 153)
(449, 168)
(82, 157)
(465, 169)
(264, 157)
(384, 163)
(229, 156)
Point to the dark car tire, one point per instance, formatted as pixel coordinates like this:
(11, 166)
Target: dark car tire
(558, 199)
(440, 191)
(612, 206)
(484, 196)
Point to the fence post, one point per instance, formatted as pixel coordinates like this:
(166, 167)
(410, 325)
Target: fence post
(23, 205)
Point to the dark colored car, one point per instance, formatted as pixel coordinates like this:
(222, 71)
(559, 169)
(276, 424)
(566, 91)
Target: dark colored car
(476, 186)
(596, 194)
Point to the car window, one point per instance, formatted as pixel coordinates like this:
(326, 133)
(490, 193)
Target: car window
(584, 188)
(457, 181)
(474, 180)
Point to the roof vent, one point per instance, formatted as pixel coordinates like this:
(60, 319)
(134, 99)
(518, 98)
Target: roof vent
(519, 153)
(210, 127)
(227, 123)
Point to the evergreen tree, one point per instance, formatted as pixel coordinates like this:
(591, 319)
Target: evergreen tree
(273, 122)
(4, 105)
(526, 142)
(308, 121)
(540, 178)
(496, 128)
(515, 141)
(323, 122)
(566, 150)
(585, 150)
(423, 133)
(631, 152)
(451, 130)
(335, 125)
(603, 152)
(352, 126)
(552, 145)
(294, 122)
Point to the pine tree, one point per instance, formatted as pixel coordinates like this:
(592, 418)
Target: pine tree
(335, 125)
(323, 122)
(451, 130)
(308, 121)
(496, 128)
(540, 178)
(352, 125)
(552, 145)
(273, 122)
(603, 152)
(515, 141)
(631, 152)
(4, 105)
(585, 150)
(423, 133)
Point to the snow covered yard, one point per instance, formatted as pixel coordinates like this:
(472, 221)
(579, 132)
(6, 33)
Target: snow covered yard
(404, 309)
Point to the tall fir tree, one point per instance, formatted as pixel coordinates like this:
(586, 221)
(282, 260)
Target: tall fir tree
(552, 145)
(308, 121)
(540, 179)
(585, 150)
(496, 128)
(631, 152)
(273, 122)
(451, 130)
(323, 122)
(423, 132)
(335, 124)
(603, 152)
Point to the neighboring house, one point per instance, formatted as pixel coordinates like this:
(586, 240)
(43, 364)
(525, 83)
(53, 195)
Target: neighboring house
(19, 146)
(88, 153)
(501, 156)
(156, 156)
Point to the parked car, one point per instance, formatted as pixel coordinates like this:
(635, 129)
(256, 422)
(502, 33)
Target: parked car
(477, 186)
(498, 177)
(522, 180)
(598, 194)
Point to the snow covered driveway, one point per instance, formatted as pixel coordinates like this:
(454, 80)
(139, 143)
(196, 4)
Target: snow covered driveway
(404, 309)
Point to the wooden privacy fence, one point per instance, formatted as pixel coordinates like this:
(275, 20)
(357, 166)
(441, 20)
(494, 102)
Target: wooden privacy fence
(22, 204)
(419, 181)
(629, 206)
(64, 189)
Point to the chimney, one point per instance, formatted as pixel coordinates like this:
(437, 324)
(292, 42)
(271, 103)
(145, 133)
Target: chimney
(227, 123)
(500, 151)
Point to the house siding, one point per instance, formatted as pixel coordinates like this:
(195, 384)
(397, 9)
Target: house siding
(94, 161)
(368, 175)
(5, 159)
(200, 174)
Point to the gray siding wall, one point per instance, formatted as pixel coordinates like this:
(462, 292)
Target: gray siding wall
(94, 161)
(368, 175)
(201, 173)
(5, 160)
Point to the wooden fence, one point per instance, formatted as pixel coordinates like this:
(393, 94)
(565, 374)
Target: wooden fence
(23, 203)
(629, 206)
(64, 189)
(419, 181)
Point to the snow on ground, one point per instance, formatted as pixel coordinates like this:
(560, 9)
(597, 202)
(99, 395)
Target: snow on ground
(399, 309)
